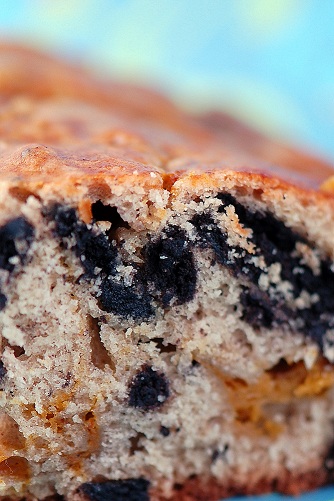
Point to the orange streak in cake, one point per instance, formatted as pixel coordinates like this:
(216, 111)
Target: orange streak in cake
(281, 384)
(54, 418)
(14, 468)
(11, 438)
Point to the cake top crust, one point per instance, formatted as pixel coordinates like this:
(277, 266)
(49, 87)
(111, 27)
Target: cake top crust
(58, 121)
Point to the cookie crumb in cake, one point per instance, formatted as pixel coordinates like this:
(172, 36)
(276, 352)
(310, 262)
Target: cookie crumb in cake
(133, 489)
(149, 389)
(170, 268)
(15, 239)
(123, 301)
(92, 248)
(3, 301)
(165, 432)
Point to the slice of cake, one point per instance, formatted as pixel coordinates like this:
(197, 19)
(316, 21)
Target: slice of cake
(167, 309)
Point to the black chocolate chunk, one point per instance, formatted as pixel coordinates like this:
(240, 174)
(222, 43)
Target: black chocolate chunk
(3, 301)
(132, 489)
(170, 268)
(15, 239)
(95, 251)
(149, 389)
(124, 301)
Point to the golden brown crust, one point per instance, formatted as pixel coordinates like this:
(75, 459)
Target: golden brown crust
(49, 103)
(280, 156)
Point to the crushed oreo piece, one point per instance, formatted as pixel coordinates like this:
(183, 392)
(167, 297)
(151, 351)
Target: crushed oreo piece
(3, 371)
(261, 310)
(132, 489)
(15, 239)
(99, 257)
(170, 268)
(148, 390)
(122, 300)
(3, 301)
(93, 249)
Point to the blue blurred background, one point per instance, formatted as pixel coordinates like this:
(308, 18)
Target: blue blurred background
(268, 62)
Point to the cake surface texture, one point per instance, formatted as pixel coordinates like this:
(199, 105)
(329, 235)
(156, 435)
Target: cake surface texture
(166, 298)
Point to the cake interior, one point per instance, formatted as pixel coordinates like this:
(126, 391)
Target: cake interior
(204, 333)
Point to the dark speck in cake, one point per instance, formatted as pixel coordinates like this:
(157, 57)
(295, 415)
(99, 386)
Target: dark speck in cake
(132, 489)
(164, 431)
(149, 389)
(219, 453)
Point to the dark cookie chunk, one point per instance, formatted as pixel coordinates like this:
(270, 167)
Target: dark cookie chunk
(93, 248)
(15, 239)
(170, 268)
(260, 310)
(121, 300)
(65, 218)
(210, 235)
(96, 251)
(133, 489)
(3, 372)
(149, 389)
(3, 301)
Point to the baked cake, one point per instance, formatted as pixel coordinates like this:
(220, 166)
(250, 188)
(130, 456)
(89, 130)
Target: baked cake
(167, 299)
